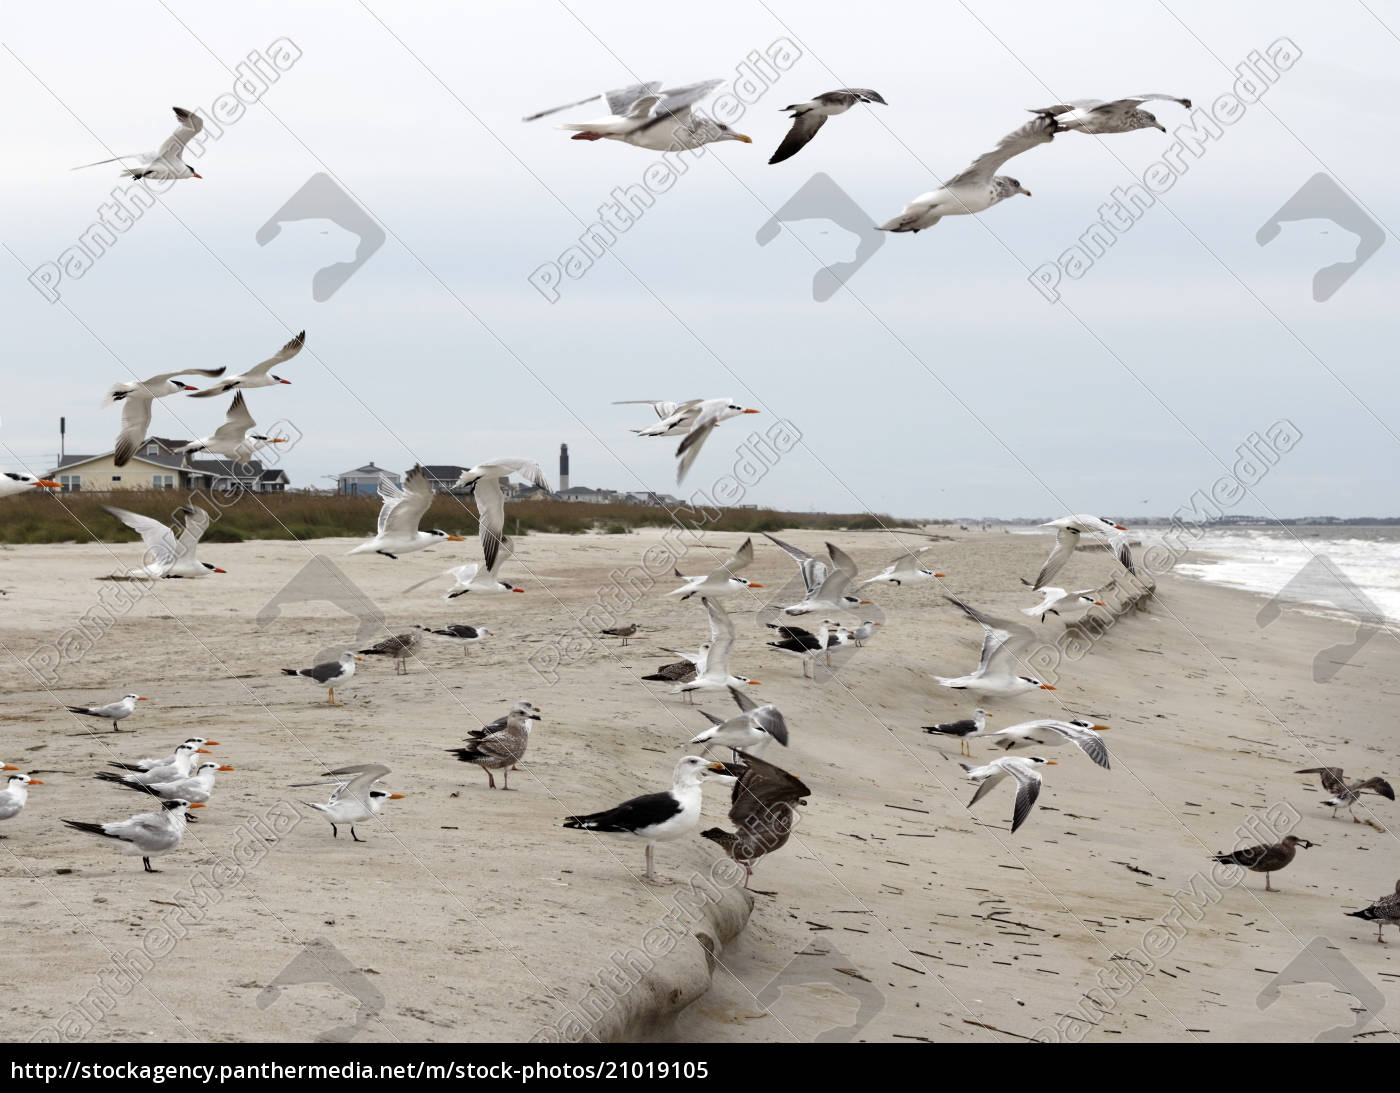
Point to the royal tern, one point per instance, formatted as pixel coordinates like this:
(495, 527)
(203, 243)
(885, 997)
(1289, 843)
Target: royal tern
(964, 729)
(808, 117)
(198, 787)
(1103, 116)
(1053, 601)
(196, 742)
(645, 116)
(906, 569)
(1070, 528)
(114, 712)
(164, 164)
(1345, 794)
(623, 632)
(169, 555)
(762, 810)
(354, 799)
(402, 508)
(136, 400)
(484, 581)
(459, 634)
(808, 646)
(502, 749)
(708, 414)
(149, 834)
(12, 482)
(15, 795)
(657, 817)
(260, 375)
(400, 647)
(1384, 912)
(825, 584)
(1050, 732)
(181, 762)
(1266, 859)
(995, 675)
(1028, 781)
(714, 674)
(677, 418)
(485, 480)
(978, 187)
(231, 440)
(752, 729)
(328, 675)
(722, 581)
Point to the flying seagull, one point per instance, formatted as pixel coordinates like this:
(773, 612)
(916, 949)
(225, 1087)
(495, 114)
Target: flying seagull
(645, 116)
(1103, 116)
(808, 117)
(762, 809)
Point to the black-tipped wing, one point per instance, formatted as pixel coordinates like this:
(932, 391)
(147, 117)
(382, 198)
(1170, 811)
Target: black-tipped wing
(636, 815)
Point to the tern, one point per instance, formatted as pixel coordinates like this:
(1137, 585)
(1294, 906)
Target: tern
(1023, 770)
(1051, 599)
(197, 788)
(752, 729)
(260, 375)
(196, 742)
(1051, 732)
(905, 569)
(136, 399)
(714, 674)
(825, 584)
(995, 675)
(114, 712)
(12, 482)
(402, 508)
(645, 116)
(473, 577)
(164, 164)
(1104, 116)
(1070, 528)
(354, 799)
(149, 834)
(231, 440)
(722, 581)
(179, 767)
(485, 480)
(168, 555)
(809, 117)
(15, 795)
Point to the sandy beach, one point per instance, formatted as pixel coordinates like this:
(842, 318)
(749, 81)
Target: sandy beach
(895, 913)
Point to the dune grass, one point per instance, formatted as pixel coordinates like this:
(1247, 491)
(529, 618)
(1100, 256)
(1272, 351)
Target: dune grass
(43, 517)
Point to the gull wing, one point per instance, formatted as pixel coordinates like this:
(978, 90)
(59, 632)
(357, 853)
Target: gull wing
(676, 102)
(633, 102)
(762, 787)
(804, 128)
(1039, 130)
(1332, 779)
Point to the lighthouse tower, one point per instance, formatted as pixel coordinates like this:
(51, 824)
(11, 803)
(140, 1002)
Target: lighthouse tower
(563, 467)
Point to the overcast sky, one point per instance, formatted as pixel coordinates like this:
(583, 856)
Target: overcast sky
(939, 382)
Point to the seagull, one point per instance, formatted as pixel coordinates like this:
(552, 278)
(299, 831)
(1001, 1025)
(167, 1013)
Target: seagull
(114, 712)
(485, 481)
(1067, 539)
(683, 670)
(15, 795)
(1051, 598)
(1049, 733)
(722, 581)
(459, 634)
(260, 375)
(808, 646)
(354, 799)
(231, 439)
(328, 675)
(905, 570)
(472, 578)
(136, 399)
(863, 633)
(403, 507)
(761, 807)
(1001, 642)
(657, 817)
(1264, 859)
(400, 647)
(645, 116)
(1346, 794)
(708, 415)
(198, 787)
(714, 675)
(977, 188)
(1384, 912)
(752, 729)
(196, 742)
(825, 585)
(12, 482)
(1103, 116)
(179, 766)
(169, 556)
(623, 632)
(164, 164)
(1028, 782)
(502, 749)
(963, 729)
(808, 117)
(150, 834)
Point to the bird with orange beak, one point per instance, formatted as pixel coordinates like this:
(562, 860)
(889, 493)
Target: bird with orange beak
(403, 506)
(18, 482)
(150, 834)
(355, 798)
(15, 794)
(114, 712)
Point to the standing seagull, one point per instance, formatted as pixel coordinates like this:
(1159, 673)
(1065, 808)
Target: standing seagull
(963, 729)
(1345, 794)
(1049, 732)
(825, 584)
(136, 399)
(623, 632)
(485, 481)
(169, 556)
(354, 799)
(400, 647)
(260, 375)
(1384, 912)
(808, 117)
(752, 729)
(1264, 859)
(977, 188)
(502, 749)
(403, 507)
(644, 116)
(722, 581)
(1103, 116)
(714, 675)
(1067, 539)
(150, 834)
(1028, 782)
(18, 482)
(15, 795)
(231, 439)
(459, 634)
(995, 675)
(762, 808)
(657, 817)
(906, 569)
(164, 164)
(328, 675)
(807, 645)
(114, 712)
